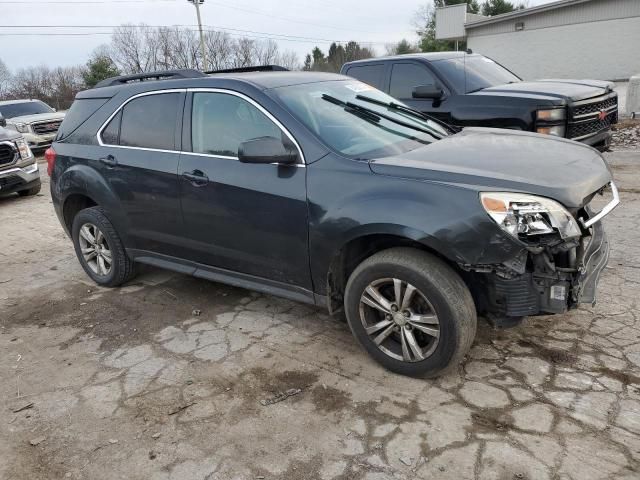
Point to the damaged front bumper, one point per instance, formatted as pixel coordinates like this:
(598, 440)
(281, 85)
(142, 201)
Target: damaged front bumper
(545, 279)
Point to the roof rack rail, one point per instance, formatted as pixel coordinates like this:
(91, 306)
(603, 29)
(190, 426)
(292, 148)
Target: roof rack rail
(141, 77)
(257, 68)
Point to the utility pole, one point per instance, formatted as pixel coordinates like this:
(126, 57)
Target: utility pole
(202, 48)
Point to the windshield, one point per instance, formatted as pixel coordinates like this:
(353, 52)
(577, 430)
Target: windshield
(473, 72)
(355, 130)
(24, 108)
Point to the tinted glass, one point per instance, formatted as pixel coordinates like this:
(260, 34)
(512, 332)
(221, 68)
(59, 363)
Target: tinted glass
(321, 107)
(472, 73)
(79, 112)
(112, 131)
(150, 121)
(370, 74)
(24, 108)
(221, 122)
(407, 76)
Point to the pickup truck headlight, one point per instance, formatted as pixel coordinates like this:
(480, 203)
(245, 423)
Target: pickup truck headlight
(520, 214)
(22, 127)
(551, 115)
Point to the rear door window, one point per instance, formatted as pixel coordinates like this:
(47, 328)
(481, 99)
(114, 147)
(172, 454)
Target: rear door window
(150, 122)
(407, 76)
(370, 74)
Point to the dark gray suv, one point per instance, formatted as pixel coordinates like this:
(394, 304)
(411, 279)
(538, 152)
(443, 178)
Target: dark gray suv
(322, 189)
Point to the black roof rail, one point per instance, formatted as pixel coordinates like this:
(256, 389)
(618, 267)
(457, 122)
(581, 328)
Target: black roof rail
(141, 77)
(257, 68)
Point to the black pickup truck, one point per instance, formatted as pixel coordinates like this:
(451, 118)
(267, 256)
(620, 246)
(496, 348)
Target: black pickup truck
(466, 89)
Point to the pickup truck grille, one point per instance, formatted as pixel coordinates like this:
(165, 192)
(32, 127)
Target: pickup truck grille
(591, 127)
(592, 116)
(43, 128)
(7, 154)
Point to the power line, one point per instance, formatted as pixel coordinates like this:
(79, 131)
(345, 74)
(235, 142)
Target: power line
(210, 28)
(269, 14)
(256, 37)
(82, 2)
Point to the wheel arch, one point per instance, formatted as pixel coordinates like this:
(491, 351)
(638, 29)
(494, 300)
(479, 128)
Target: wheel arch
(367, 243)
(80, 187)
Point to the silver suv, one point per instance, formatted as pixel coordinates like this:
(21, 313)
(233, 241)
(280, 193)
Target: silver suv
(35, 120)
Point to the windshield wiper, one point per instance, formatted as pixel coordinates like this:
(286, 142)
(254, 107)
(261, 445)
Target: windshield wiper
(376, 116)
(409, 110)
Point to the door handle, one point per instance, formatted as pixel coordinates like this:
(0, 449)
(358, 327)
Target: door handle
(196, 177)
(110, 161)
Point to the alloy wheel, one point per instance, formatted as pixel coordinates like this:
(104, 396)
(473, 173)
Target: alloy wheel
(95, 249)
(399, 320)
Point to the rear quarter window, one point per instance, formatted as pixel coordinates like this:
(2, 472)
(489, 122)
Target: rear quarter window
(79, 113)
(370, 74)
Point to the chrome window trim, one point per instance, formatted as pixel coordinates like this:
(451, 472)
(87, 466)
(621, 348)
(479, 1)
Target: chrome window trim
(183, 152)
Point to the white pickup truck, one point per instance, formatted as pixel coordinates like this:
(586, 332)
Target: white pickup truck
(35, 120)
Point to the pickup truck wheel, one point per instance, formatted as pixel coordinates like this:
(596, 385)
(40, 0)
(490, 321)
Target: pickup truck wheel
(99, 248)
(410, 311)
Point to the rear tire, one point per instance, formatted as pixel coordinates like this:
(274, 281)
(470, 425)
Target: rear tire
(99, 248)
(31, 191)
(421, 335)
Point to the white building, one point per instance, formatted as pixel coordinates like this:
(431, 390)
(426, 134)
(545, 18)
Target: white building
(597, 39)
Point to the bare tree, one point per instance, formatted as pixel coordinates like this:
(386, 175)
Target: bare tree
(243, 53)
(219, 49)
(130, 51)
(289, 60)
(266, 52)
(5, 79)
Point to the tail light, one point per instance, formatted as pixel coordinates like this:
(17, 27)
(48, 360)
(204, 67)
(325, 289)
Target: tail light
(50, 157)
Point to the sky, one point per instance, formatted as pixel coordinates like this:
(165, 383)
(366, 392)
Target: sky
(318, 21)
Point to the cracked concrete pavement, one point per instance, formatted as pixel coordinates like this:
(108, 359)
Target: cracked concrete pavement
(129, 383)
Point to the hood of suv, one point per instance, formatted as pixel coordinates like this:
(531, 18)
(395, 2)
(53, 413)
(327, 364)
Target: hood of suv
(573, 90)
(494, 159)
(38, 117)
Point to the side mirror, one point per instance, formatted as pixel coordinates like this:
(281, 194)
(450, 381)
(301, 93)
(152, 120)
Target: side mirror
(267, 150)
(3, 121)
(428, 91)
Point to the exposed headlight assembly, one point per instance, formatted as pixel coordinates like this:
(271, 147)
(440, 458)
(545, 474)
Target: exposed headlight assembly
(520, 214)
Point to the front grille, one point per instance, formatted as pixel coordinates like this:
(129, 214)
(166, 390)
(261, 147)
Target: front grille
(44, 128)
(7, 154)
(595, 107)
(591, 127)
(590, 117)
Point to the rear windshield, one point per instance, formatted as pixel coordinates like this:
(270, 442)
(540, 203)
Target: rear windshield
(473, 73)
(24, 108)
(79, 112)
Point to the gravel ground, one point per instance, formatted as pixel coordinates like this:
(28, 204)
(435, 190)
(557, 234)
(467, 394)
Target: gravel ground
(131, 383)
(626, 135)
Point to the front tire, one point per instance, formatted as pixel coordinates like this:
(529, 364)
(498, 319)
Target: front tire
(99, 248)
(411, 312)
